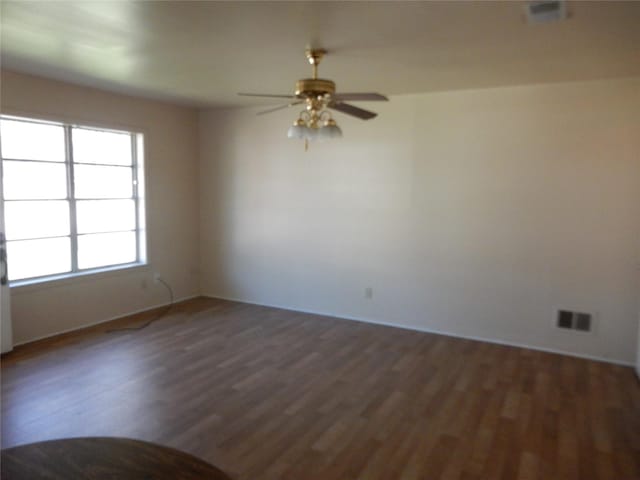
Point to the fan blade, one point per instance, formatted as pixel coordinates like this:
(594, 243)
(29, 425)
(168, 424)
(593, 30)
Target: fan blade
(279, 107)
(352, 110)
(369, 97)
(266, 95)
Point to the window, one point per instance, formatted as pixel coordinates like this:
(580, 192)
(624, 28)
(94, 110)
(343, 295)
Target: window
(73, 198)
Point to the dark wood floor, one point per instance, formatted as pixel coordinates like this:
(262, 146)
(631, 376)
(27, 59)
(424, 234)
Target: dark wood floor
(269, 394)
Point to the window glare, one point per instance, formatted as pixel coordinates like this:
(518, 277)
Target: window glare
(34, 180)
(94, 146)
(106, 249)
(72, 198)
(39, 219)
(32, 141)
(105, 215)
(92, 181)
(36, 258)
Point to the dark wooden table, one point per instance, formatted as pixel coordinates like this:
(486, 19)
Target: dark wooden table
(102, 458)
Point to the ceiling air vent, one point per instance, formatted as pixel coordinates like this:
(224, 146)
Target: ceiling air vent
(543, 11)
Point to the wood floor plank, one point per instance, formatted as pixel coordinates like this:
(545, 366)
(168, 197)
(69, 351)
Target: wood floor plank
(269, 394)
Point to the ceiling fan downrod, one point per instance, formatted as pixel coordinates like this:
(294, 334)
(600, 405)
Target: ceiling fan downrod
(315, 56)
(314, 87)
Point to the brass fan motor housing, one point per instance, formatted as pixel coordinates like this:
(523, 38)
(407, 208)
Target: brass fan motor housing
(314, 88)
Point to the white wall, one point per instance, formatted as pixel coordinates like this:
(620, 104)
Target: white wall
(172, 207)
(472, 212)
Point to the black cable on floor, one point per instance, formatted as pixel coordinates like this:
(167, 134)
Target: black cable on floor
(162, 314)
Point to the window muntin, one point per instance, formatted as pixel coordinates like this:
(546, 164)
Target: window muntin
(73, 198)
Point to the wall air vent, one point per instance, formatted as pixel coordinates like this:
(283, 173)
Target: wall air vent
(543, 11)
(571, 320)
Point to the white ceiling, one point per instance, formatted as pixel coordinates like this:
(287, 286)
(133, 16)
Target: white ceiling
(203, 53)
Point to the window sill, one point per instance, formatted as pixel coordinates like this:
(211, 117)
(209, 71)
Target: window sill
(52, 281)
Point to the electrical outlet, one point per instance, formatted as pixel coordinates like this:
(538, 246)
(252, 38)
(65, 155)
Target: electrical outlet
(156, 278)
(368, 293)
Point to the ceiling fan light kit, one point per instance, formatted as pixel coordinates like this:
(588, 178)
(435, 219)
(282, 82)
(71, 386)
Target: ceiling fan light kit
(319, 95)
(314, 126)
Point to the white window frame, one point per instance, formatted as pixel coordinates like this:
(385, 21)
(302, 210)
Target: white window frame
(138, 196)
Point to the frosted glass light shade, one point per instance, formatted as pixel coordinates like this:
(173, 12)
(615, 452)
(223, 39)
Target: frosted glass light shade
(329, 131)
(297, 131)
(312, 134)
(301, 130)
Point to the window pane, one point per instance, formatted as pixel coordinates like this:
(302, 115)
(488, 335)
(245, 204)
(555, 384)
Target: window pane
(106, 249)
(36, 258)
(103, 182)
(34, 180)
(105, 215)
(95, 146)
(32, 141)
(36, 219)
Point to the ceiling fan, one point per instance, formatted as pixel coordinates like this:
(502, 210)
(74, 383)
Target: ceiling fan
(319, 95)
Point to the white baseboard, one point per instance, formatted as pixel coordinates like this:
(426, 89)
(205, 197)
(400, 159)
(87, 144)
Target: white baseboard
(434, 331)
(344, 317)
(98, 322)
